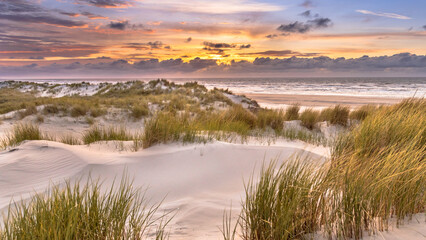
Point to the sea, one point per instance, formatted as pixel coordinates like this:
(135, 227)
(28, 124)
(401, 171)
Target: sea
(399, 87)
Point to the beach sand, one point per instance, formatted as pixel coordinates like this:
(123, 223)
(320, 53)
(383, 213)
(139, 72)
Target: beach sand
(277, 100)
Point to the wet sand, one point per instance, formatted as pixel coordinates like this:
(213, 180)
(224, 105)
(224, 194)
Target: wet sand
(320, 100)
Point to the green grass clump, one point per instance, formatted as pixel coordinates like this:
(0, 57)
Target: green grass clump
(309, 118)
(84, 211)
(284, 203)
(166, 127)
(111, 133)
(70, 140)
(270, 118)
(376, 172)
(292, 112)
(20, 133)
(79, 110)
(238, 114)
(335, 115)
(140, 110)
(362, 112)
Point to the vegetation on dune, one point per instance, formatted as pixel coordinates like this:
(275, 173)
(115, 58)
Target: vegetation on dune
(377, 172)
(21, 132)
(84, 211)
(292, 112)
(201, 114)
(283, 204)
(362, 112)
(309, 118)
(110, 133)
(335, 115)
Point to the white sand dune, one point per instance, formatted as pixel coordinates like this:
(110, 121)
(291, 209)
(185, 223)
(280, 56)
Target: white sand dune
(199, 181)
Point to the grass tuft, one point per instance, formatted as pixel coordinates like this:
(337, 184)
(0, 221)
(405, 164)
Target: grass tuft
(292, 112)
(309, 118)
(20, 133)
(335, 115)
(111, 133)
(84, 211)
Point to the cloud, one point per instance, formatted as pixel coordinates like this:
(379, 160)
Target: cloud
(147, 46)
(245, 46)
(218, 45)
(306, 13)
(18, 6)
(271, 36)
(282, 53)
(37, 57)
(70, 14)
(107, 3)
(119, 25)
(188, 39)
(398, 64)
(212, 7)
(43, 19)
(123, 25)
(17, 46)
(295, 27)
(29, 12)
(380, 14)
(93, 16)
(307, 4)
(300, 27)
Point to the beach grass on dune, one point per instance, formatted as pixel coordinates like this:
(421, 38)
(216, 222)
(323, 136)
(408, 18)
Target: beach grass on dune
(108, 133)
(335, 115)
(283, 204)
(84, 211)
(376, 172)
(21, 132)
(309, 118)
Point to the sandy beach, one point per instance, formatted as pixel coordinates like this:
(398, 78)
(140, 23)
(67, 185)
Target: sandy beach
(278, 100)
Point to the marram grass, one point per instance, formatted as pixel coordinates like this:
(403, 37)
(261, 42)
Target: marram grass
(377, 172)
(84, 211)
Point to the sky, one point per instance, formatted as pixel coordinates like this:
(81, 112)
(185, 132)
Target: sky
(212, 38)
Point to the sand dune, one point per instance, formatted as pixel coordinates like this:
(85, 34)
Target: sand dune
(198, 181)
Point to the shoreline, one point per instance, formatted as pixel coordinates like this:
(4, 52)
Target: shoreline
(319, 100)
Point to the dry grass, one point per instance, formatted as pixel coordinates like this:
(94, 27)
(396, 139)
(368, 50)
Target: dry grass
(111, 133)
(20, 133)
(292, 112)
(309, 118)
(83, 211)
(377, 172)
